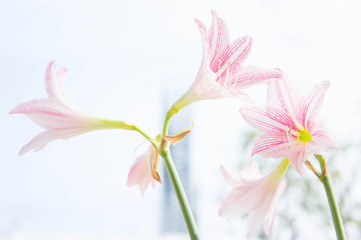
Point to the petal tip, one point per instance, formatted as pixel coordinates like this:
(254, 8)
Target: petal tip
(221, 211)
(13, 111)
(214, 13)
(23, 151)
(326, 83)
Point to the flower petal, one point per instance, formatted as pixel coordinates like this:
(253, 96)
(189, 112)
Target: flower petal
(282, 94)
(238, 202)
(321, 141)
(40, 141)
(49, 113)
(257, 197)
(206, 49)
(251, 75)
(140, 172)
(271, 121)
(54, 82)
(249, 172)
(309, 106)
(297, 160)
(218, 36)
(256, 218)
(231, 177)
(271, 147)
(232, 56)
(268, 226)
(201, 27)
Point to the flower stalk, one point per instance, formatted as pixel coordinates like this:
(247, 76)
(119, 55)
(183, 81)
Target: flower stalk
(325, 178)
(177, 184)
(335, 212)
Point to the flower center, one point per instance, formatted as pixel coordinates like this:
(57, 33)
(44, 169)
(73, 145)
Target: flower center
(304, 136)
(226, 76)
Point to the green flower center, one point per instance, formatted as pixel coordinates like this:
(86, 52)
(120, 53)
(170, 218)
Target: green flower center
(304, 136)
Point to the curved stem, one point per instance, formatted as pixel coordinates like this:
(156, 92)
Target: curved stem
(127, 126)
(151, 140)
(177, 185)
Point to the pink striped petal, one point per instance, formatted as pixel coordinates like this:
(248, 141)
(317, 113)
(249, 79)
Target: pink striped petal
(232, 56)
(321, 141)
(249, 76)
(309, 106)
(218, 36)
(282, 94)
(297, 160)
(271, 147)
(201, 27)
(269, 120)
(40, 141)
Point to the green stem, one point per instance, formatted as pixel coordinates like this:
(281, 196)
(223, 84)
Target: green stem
(325, 178)
(166, 123)
(181, 196)
(335, 212)
(177, 185)
(151, 140)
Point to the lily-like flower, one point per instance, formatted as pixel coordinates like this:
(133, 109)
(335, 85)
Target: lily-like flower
(254, 194)
(289, 123)
(60, 118)
(145, 170)
(221, 74)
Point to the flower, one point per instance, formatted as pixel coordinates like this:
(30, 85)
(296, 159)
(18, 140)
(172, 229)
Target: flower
(145, 170)
(221, 74)
(289, 123)
(254, 194)
(60, 118)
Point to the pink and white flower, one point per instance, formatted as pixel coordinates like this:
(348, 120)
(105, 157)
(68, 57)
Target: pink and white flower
(289, 123)
(142, 171)
(57, 114)
(254, 194)
(221, 73)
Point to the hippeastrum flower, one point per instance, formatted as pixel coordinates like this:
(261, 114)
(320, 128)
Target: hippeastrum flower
(289, 123)
(221, 74)
(60, 118)
(254, 194)
(145, 170)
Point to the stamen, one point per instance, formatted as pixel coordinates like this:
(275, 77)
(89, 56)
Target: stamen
(290, 133)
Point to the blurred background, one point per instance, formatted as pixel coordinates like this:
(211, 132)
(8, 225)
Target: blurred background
(131, 60)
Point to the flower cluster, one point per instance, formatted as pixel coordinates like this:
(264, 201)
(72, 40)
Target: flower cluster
(288, 123)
